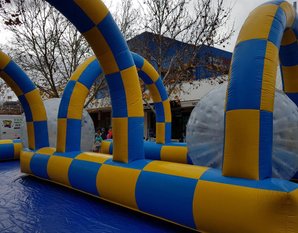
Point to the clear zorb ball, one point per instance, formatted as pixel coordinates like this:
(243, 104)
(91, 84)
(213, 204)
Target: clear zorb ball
(205, 133)
(52, 107)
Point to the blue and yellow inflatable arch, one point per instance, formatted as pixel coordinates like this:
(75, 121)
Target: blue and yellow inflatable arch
(77, 89)
(197, 197)
(32, 104)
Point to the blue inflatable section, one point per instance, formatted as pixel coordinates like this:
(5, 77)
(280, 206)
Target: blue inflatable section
(29, 205)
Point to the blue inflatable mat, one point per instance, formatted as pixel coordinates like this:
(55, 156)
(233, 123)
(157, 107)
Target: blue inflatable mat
(29, 205)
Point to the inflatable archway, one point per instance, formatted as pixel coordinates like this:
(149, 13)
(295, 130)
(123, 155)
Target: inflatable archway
(197, 197)
(250, 94)
(31, 102)
(77, 89)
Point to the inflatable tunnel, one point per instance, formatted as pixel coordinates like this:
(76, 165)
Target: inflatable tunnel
(244, 198)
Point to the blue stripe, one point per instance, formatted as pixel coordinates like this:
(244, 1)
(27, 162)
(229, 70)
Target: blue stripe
(17, 141)
(6, 151)
(111, 148)
(293, 97)
(145, 78)
(161, 89)
(152, 150)
(26, 107)
(160, 113)
(124, 60)
(288, 55)
(245, 85)
(39, 164)
(276, 2)
(265, 144)
(41, 135)
(168, 132)
(135, 138)
(214, 175)
(117, 94)
(19, 77)
(90, 74)
(170, 197)
(73, 13)
(71, 154)
(277, 28)
(138, 60)
(73, 135)
(63, 107)
(137, 164)
(112, 35)
(82, 175)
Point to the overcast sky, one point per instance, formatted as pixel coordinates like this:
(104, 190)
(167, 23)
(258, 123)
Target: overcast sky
(241, 10)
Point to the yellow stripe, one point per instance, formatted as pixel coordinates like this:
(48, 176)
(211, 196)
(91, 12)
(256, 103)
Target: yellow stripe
(228, 208)
(150, 71)
(36, 105)
(160, 132)
(253, 29)
(120, 137)
(58, 169)
(154, 93)
(6, 141)
(77, 100)
(16, 89)
(167, 111)
(76, 75)
(105, 147)
(96, 10)
(177, 154)
(93, 157)
(176, 169)
(269, 77)
(118, 184)
(102, 50)
(25, 159)
(290, 13)
(31, 138)
(241, 154)
(290, 80)
(289, 37)
(132, 92)
(4, 60)
(17, 147)
(46, 150)
(61, 135)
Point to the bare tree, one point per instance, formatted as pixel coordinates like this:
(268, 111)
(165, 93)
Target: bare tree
(128, 18)
(195, 24)
(44, 43)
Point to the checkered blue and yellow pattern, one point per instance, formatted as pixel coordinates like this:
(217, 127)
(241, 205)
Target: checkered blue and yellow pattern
(10, 149)
(250, 94)
(30, 99)
(154, 83)
(95, 22)
(77, 89)
(196, 197)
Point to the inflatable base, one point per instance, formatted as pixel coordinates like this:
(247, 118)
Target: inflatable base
(171, 152)
(196, 197)
(10, 149)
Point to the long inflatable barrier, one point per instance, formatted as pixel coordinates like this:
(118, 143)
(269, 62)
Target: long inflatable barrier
(10, 149)
(171, 152)
(197, 197)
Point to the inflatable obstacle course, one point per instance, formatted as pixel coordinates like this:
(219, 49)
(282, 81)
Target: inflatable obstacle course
(242, 198)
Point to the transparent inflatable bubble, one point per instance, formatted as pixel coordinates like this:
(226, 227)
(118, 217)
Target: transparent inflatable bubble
(52, 106)
(205, 133)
